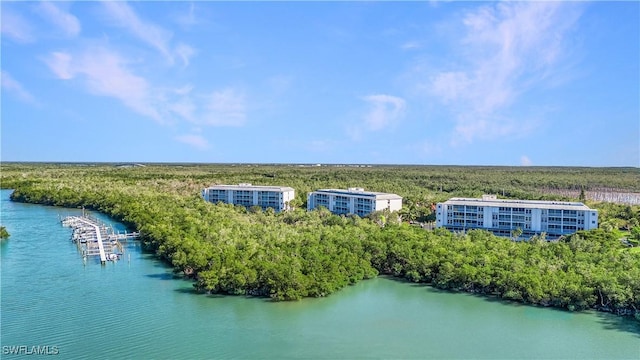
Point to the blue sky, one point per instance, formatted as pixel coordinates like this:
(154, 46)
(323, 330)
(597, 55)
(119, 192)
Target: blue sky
(465, 83)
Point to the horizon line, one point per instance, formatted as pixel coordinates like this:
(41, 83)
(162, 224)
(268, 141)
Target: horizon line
(312, 164)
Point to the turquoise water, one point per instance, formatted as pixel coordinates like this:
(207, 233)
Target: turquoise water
(136, 309)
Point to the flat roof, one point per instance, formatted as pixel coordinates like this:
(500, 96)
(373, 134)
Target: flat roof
(530, 204)
(251, 187)
(377, 195)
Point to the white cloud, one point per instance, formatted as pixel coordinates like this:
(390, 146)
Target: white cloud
(12, 86)
(183, 90)
(60, 64)
(68, 23)
(197, 141)
(15, 26)
(506, 50)
(184, 107)
(185, 52)
(182, 103)
(224, 108)
(385, 111)
(188, 19)
(525, 161)
(106, 73)
(450, 85)
(147, 32)
(411, 45)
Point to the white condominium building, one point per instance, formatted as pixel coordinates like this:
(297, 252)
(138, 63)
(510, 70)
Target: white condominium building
(555, 218)
(247, 195)
(353, 201)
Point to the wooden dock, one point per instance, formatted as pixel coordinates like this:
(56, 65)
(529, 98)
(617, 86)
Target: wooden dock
(94, 238)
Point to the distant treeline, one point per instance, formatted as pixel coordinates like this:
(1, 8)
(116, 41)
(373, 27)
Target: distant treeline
(232, 250)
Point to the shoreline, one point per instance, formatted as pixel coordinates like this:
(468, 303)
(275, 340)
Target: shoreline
(489, 296)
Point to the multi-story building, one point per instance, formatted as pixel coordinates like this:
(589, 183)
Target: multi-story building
(353, 201)
(555, 218)
(247, 195)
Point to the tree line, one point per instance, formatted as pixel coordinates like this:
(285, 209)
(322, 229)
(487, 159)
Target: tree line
(233, 250)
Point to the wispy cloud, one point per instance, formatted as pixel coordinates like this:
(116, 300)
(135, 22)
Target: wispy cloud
(189, 19)
(149, 33)
(185, 53)
(197, 141)
(66, 22)
(184, 108)
(525, 161)
(450, 85)
(224, 108)
(385, 110)
(506, 50)
(12, 86)
(105, 73)
(60, 64)
(15, 26)
(411, 45)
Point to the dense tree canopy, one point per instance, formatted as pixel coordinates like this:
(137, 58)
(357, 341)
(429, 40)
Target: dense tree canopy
(232, 250)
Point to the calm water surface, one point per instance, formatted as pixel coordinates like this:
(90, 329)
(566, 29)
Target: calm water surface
(136, 309)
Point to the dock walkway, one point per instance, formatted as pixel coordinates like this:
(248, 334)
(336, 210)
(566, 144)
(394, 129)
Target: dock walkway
(94, 238)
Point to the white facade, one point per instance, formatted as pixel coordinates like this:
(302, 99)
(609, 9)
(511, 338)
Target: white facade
(353, 201)
(500, 216)
(247, 195)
